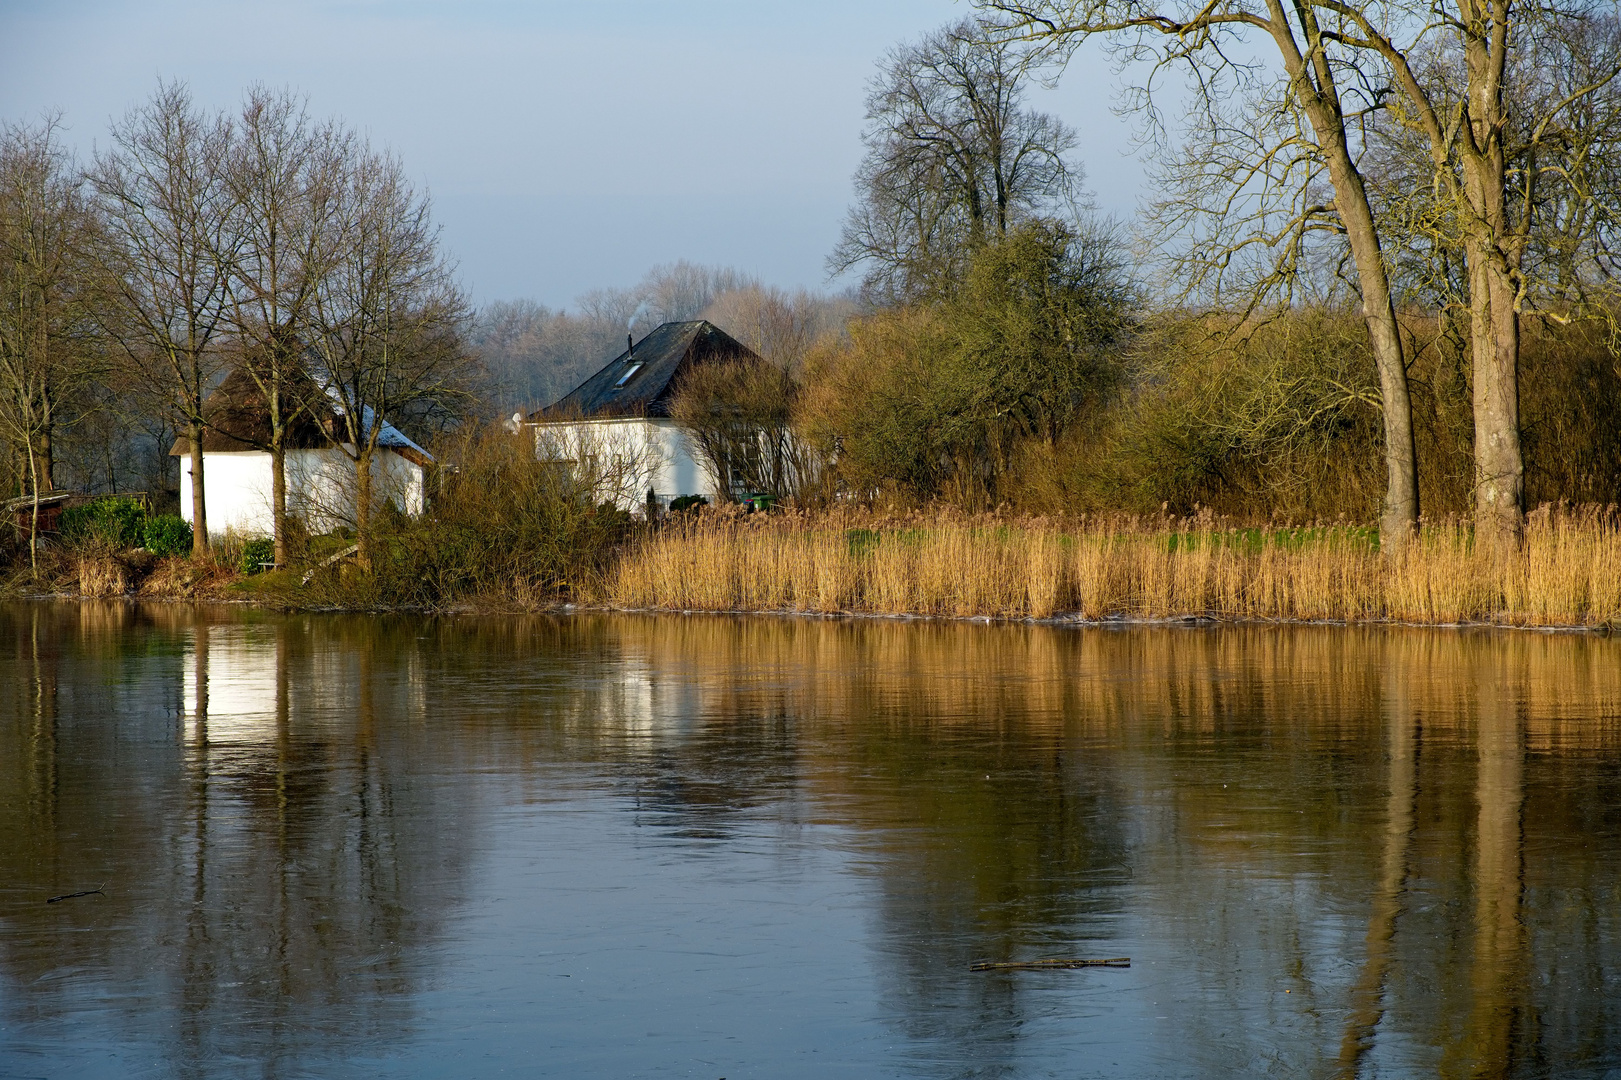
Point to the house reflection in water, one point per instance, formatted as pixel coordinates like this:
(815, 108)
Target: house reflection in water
(276, 870)
(235, 687)
(313, 865)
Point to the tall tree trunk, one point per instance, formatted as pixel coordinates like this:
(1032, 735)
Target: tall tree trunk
(1499, 466)
(1313, 84)
(363, 507)
(1494, 323)
(199, 504)
(47, 461)
(1399, 517)
(278, 499)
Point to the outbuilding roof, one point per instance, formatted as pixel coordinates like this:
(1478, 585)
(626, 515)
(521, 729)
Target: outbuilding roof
(238, 420)
(641, 380)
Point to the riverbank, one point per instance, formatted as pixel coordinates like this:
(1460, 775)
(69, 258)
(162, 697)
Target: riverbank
(1568, 572)
(940, 565)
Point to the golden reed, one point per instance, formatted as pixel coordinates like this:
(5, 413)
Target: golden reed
(1567, 572)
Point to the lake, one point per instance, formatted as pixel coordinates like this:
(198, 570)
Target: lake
(706, 846)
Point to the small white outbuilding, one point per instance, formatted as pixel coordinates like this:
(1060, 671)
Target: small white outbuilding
(620, 417)
(320, 474)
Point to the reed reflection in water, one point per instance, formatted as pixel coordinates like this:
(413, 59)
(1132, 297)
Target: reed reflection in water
(623, 845)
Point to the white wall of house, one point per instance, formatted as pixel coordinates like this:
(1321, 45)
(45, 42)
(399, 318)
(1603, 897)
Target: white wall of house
(320, 488)
(635, 456)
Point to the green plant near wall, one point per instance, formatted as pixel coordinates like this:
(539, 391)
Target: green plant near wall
(117, 521)
(166, 535)
(256, 553)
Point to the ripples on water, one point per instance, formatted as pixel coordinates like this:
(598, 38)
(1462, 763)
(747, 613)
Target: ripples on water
(713, 847)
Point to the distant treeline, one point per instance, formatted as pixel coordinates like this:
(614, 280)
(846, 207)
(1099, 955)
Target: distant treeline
(1045, 385)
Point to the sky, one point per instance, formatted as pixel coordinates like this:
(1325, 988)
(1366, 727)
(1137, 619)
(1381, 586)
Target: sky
(566, 146)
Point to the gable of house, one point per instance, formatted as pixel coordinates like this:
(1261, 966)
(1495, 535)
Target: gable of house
(641, 380)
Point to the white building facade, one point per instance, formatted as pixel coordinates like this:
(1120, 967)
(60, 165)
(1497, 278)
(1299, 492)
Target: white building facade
(320, 473)
(321, 488)
(637, 461)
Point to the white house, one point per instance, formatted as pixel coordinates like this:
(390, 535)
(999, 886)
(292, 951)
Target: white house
(320, 475)
(620, 417)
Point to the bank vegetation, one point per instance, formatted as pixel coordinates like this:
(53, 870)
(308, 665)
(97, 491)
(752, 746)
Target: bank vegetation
(1126, 567)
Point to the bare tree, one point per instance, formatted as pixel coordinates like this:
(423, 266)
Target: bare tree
(738, 415)
(680, 291)
(286, 178)
(387, 319)
(1247, 188)
(1468, 127)
(1572, 257)
(1346, 68)
(780, 326)
(169, 234)
(953, 158)
(46, 351)
(517, 342)
(1562, 151)
(670, 292)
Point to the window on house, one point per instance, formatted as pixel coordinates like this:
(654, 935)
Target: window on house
(625, 378)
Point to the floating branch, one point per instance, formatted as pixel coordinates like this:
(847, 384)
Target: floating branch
(1042, 965)
(85, 892)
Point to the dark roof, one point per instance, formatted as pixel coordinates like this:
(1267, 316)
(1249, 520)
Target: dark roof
(238, 420)
(659, 359)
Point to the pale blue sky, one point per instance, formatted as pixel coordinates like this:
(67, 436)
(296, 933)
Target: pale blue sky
(566, 145)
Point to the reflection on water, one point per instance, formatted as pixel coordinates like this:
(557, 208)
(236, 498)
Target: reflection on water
(271, 870)
(669, 846)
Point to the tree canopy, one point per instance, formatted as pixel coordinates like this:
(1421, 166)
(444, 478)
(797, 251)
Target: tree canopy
(954, 159)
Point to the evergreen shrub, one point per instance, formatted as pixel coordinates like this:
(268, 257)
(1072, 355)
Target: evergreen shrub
(255, 553)
(167, 534)
(116, 521)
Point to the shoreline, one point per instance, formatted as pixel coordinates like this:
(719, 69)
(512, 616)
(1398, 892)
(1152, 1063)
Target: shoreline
(1564, 577)
(1059, 620)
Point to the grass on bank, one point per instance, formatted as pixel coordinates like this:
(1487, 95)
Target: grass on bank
(1567, 573)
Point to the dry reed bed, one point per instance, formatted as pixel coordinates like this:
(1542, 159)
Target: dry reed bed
(1568, 572)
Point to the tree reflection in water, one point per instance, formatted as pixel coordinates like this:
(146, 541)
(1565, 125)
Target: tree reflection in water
(1262, 807)
(261, 832)
(1329, 851)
